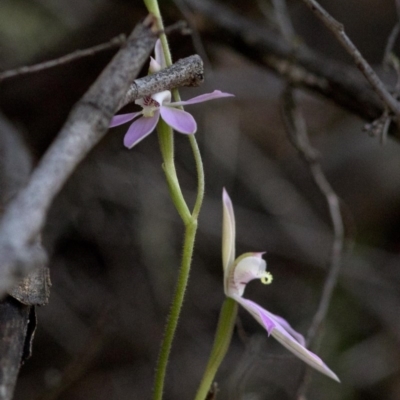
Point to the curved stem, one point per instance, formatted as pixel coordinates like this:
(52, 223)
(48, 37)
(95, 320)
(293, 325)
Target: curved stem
(222, 340)
(166, 139)
(200, 177)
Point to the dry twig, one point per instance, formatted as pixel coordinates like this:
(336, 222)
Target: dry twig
(118, 41)
(85, 126)
(338, 82)
(338, 30)
(297, 131)
(17, 320)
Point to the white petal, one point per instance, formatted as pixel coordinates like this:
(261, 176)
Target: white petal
(159, 55)
(162, 97)
(247, 269)
(228, 233)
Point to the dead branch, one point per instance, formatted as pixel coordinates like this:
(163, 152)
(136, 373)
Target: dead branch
(297, 132)
(17, 319)
(86, 125)
(338, 30)
(185, 72)
(336, 81)
(118, 41)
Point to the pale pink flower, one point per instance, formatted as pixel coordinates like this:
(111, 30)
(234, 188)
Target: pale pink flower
(238, 272)
(160, 105)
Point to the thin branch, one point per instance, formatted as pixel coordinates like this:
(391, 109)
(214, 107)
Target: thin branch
(338, 30)
(283, 20)
(115, 42)
(338, 82)
(118, 41)
(196, 37)
(297, 131)
(390, 43)
(86, 125)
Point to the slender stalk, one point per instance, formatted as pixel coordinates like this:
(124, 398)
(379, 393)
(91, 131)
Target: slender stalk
(173, 317)
(166, 139)
(200, 176)
(221, 344)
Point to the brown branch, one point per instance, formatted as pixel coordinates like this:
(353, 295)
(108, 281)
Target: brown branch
(297, 132)
(338, 30)
(118, 41)
(14, 319)
(86, 125)
(188, 71)
(338, 82)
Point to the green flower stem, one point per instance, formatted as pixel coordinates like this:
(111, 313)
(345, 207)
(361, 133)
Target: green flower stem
(166, 139)
(172, 322)
(222, 340)
(152, 6)
(200, 176)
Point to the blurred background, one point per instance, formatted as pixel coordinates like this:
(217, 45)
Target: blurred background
(115, 239)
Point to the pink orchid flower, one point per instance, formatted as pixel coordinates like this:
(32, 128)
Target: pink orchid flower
(160, 105)
(238, 272)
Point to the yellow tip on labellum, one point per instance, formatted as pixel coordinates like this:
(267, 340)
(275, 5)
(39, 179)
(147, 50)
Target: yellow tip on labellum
(267, 278)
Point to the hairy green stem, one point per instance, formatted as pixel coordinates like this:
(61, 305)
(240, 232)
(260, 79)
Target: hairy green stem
(166, 139)
(173, 317)
(222, 340)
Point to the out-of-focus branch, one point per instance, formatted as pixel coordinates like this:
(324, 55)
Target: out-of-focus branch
(338, 82)
(297, 131)
(14, 320)
(118, 41)
(17, 319)
(85, 126)
(338, 30)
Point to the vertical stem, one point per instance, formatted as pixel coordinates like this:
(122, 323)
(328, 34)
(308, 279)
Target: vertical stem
(166, 140)
(221, 344)
(177, 302)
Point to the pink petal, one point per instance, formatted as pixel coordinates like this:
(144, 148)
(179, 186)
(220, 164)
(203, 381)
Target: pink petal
(285, 336)
(285, 325)
(179, 120)
(216, 94)
(258, 313)
(123, 118)
(140, 129)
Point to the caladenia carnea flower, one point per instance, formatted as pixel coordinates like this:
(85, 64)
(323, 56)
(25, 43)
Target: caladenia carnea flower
(160, 105)
(240, 271)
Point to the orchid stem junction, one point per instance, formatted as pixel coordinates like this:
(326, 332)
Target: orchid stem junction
(166, 139)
